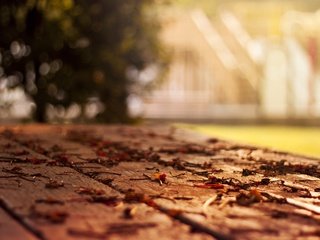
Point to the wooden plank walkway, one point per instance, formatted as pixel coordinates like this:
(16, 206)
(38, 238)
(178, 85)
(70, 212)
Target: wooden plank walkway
(150, 182)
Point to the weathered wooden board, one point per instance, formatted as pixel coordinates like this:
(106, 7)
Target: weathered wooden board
(58, 202)
(219, 188)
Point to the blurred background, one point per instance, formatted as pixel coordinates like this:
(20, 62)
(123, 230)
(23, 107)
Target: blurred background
(244, 70)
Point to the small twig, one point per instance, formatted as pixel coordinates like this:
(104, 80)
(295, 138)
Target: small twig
(225, 202)
(148, 177)
(178, 175)
(107, 172)
(24, 178)
(150, 168)
(208, 202)
(307, 206)
(162, 197)
(34, 175)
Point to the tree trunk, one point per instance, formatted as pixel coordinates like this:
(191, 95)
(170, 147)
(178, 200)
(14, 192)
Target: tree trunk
(40, 113)
(116, 110)
(40, 97)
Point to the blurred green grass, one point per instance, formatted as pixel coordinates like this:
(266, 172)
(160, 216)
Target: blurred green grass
(300, 140)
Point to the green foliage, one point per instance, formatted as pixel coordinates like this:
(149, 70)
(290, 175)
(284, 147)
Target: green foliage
(70, 51)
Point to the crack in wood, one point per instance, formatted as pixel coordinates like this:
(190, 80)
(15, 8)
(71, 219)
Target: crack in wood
(21, 221)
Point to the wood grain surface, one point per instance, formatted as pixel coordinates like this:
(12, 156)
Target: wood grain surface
(150, 182)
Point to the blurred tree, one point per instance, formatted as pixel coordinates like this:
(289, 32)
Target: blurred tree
(68, 51)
